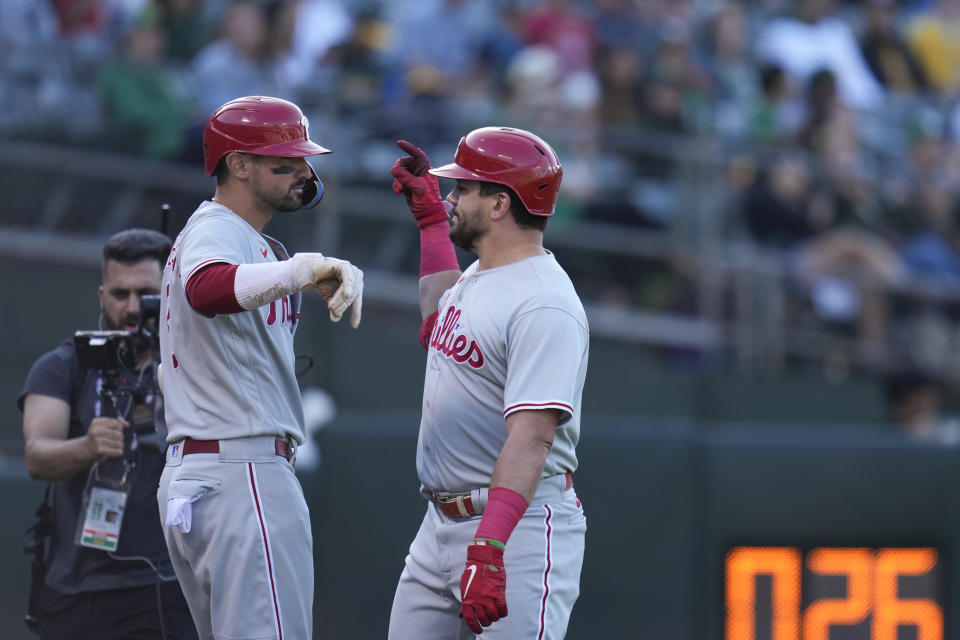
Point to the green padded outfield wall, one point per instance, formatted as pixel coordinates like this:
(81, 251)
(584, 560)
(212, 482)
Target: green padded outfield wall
(664, 502)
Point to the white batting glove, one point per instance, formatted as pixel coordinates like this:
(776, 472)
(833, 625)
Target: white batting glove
(350, 294)
(306, 270)
(311, 269)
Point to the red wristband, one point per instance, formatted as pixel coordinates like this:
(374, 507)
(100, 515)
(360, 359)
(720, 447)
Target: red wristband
(504, 509)
(436, 250)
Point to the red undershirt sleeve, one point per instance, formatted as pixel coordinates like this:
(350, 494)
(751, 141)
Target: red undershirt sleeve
(210, 290)
(426, 329)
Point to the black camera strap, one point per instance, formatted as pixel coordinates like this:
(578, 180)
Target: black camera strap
(38, 533)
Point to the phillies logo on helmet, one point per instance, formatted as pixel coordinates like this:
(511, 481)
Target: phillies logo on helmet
(447, 341)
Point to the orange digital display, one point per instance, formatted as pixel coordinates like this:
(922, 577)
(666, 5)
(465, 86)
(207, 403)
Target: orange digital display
(788, 593)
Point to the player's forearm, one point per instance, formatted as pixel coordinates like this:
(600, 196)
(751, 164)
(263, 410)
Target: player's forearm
(439, 269)
(516, 474)
(520, 466)
(521, 460)
(52, 460)
(223, 288)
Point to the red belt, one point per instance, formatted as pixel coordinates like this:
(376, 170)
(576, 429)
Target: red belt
(461, 506)
(280, 447)
(455, 506)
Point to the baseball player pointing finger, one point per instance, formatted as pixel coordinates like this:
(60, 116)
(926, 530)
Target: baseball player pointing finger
(235, 519)
(500, 548)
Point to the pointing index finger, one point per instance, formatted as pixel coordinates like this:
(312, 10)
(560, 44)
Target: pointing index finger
(420, 162)
(412, 149)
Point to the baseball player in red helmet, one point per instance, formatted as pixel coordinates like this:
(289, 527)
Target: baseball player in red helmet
(235, 520)
(507, 343)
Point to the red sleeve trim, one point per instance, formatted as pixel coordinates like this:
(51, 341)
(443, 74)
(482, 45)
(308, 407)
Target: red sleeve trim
(524, 406)
(210, 290)
(203, 265)
(426, 329)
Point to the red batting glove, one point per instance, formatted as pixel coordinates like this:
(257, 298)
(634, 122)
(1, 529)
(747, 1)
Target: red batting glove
(483, 586)
(420, 188)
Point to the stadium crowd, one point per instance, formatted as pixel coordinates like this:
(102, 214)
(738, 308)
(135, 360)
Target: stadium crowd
(824, 131)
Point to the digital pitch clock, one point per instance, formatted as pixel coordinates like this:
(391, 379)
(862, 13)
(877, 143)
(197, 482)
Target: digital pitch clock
(833, 593)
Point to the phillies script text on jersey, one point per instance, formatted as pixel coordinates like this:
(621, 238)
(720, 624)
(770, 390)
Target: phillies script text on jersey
(285, 314)
(455, 345)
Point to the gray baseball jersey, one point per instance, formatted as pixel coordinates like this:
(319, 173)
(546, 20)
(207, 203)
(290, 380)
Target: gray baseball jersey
(506, 339)
(230, 376)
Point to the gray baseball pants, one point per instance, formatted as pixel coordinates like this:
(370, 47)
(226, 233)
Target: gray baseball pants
(543, 559)
(246, 564)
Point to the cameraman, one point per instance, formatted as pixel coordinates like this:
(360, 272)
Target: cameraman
(78, 437)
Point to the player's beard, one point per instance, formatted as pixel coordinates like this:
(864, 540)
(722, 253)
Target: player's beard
(287, 200)
(291, 201)
(463, 232)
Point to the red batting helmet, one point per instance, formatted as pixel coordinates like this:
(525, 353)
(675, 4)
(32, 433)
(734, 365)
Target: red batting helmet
(511, 157)
(261, 126)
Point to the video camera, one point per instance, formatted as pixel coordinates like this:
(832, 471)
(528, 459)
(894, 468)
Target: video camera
(112, 351)
(116, 354)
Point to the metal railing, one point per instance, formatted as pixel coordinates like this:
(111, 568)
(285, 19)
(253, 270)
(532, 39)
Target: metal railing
(742, 296)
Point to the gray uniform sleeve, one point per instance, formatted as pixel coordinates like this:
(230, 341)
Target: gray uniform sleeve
(545, 348)
(213, 240)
